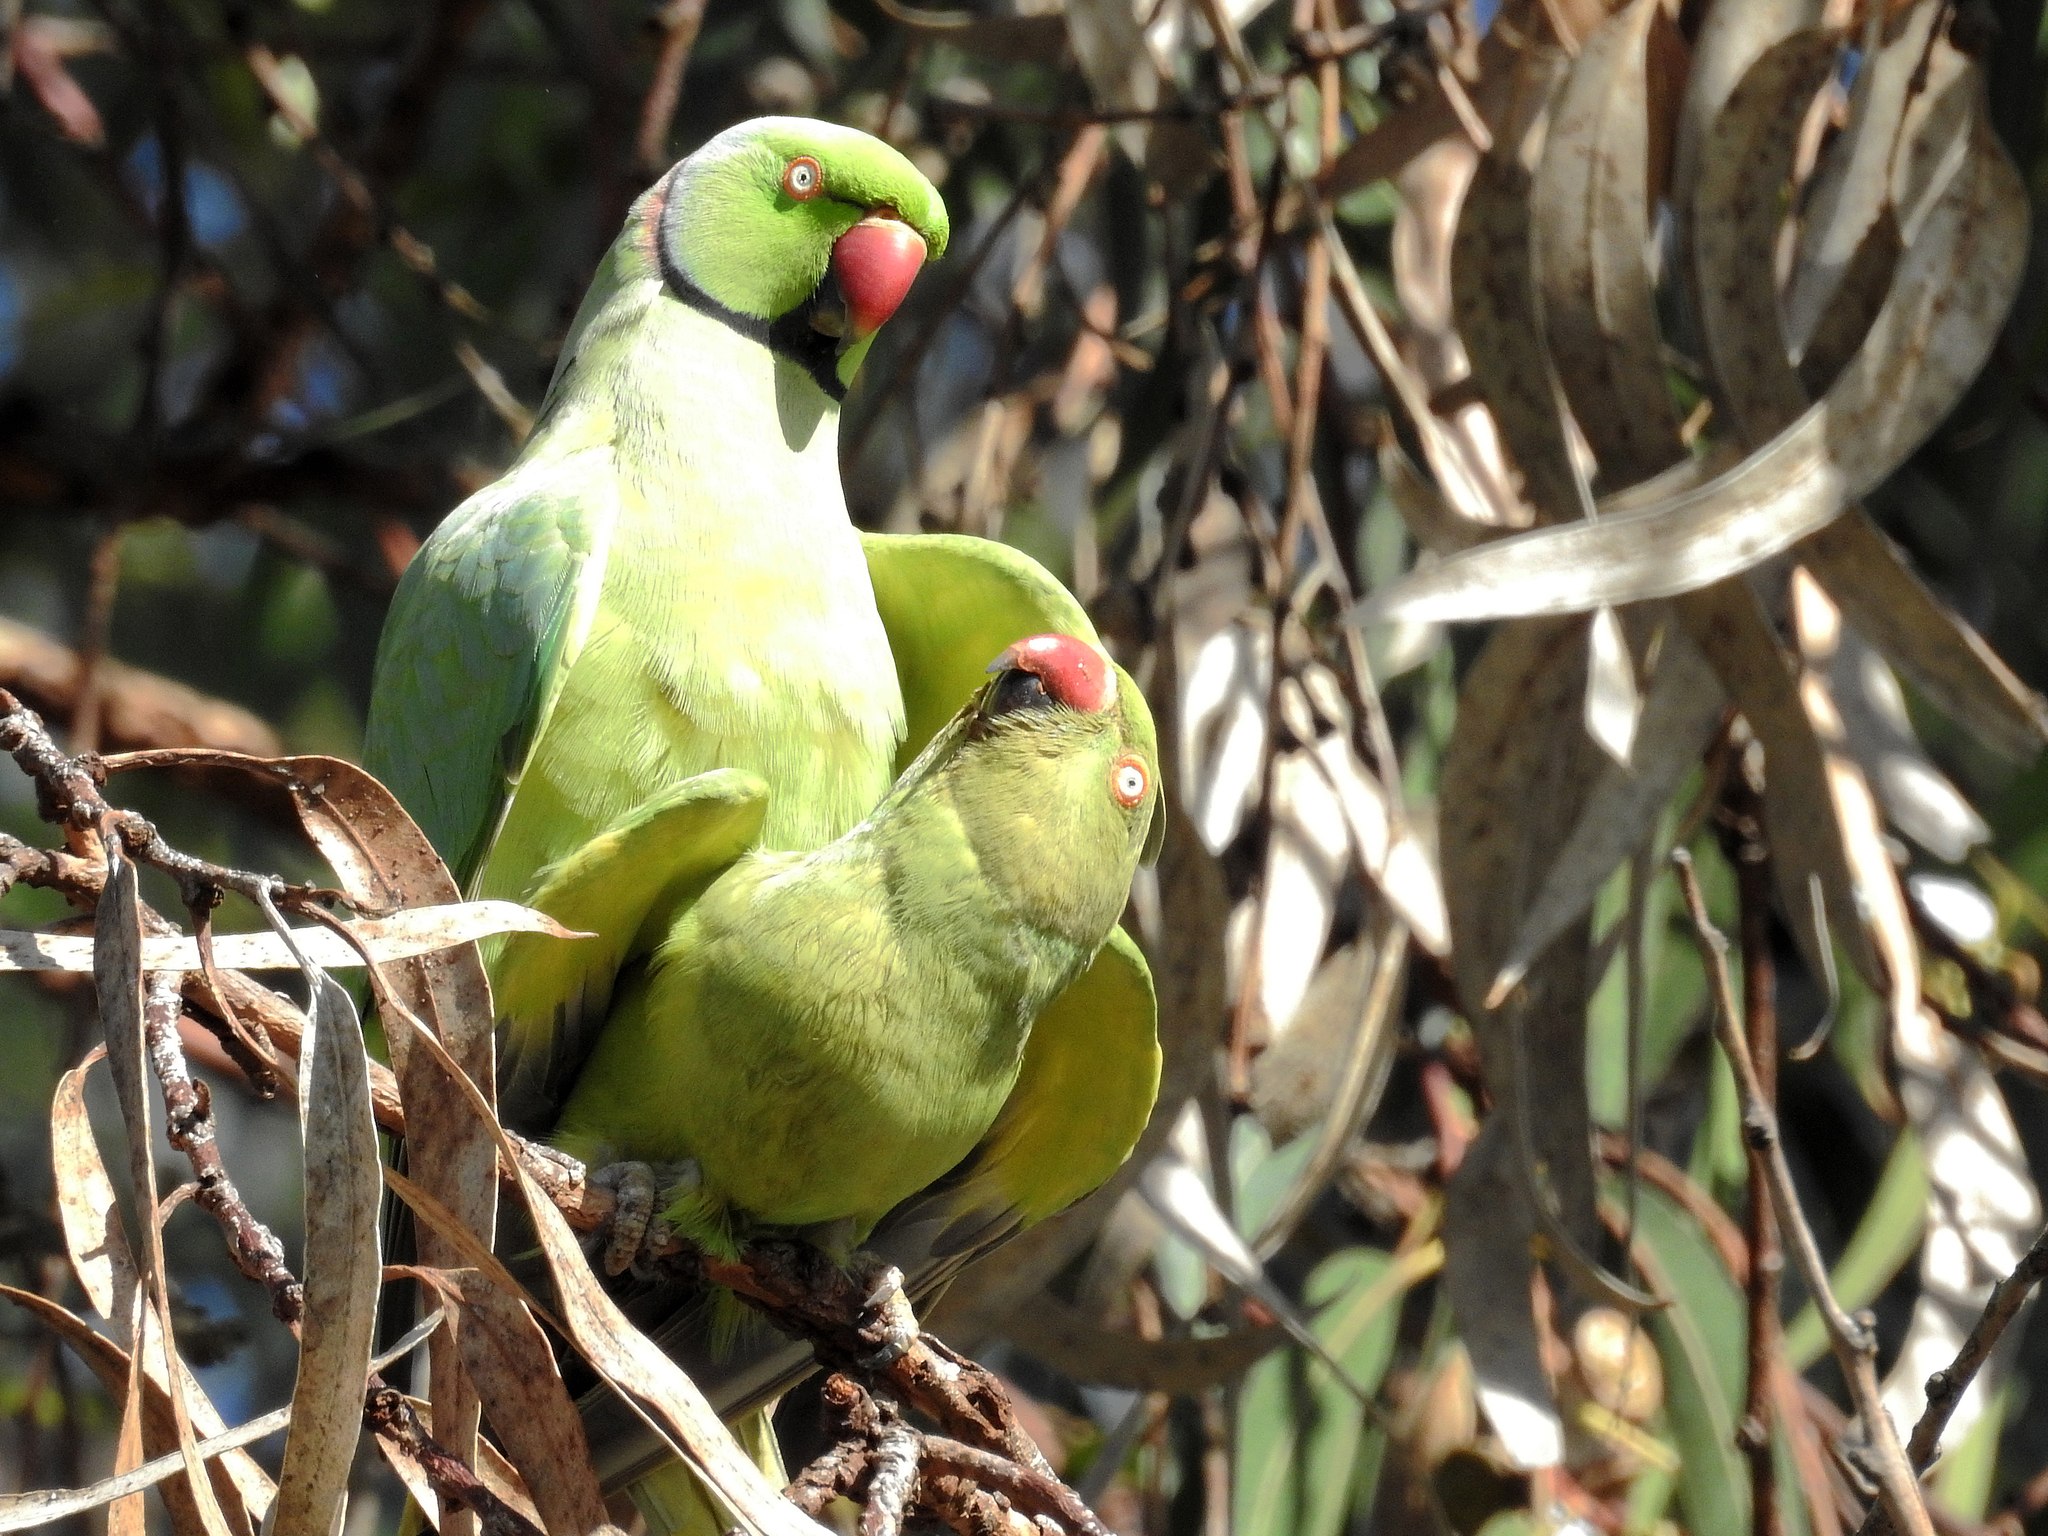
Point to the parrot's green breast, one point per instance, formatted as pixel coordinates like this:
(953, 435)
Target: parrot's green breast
(745, 637)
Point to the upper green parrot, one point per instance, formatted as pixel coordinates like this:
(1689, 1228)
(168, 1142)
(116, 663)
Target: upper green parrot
(837, 1029)
(665, 581)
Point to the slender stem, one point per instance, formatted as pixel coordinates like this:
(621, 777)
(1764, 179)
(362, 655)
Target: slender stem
(1853, 1340)
(1751, 855)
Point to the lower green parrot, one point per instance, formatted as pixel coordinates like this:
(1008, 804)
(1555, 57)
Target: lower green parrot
(824, 1036)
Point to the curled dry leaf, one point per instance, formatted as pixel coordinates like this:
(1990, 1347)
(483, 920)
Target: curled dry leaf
(1681, 711)
(93, 1238)
(1738, 213)
(1949, 296)
(1518, 742)
(402, 936)
(1809, 842)
(124, 996)
(628, 1362)
(1923, 637)
(1589, 228)
(1731, 39)
(342, 1270)
(383, 860)
(100, 1257)
(508, 1358)
(1853, 184)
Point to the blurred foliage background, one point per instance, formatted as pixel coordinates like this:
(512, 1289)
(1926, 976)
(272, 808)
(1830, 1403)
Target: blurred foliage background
(280, 284)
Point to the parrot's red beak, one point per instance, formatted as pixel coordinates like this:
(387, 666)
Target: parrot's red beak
(874, 263)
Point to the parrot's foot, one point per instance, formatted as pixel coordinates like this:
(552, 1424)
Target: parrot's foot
(886, 1323)
(637, 1235)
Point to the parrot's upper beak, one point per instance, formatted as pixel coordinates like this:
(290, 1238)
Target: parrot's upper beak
(873, 265)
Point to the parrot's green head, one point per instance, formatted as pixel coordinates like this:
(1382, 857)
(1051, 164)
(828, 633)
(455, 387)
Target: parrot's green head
(1053, 769)
(810, 231)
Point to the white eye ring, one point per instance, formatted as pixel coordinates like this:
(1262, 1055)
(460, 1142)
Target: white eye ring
(802, 177)
(1128, 782)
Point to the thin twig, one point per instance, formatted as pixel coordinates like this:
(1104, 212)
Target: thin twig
(1945, 1388)
(1750, 855)
(1853, 1340)
(189, 1127)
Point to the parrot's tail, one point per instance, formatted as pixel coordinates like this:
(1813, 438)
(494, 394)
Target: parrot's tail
(674, 1503)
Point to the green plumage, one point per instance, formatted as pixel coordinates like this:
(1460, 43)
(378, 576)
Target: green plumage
(842, 1027)
(657, 644)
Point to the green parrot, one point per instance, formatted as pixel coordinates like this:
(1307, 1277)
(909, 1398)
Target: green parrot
(840, 1028)
(664, 585)
(840, 1031)
(665, 581)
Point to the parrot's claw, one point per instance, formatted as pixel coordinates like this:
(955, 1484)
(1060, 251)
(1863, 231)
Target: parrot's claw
(638, 1233)
(887, 1323)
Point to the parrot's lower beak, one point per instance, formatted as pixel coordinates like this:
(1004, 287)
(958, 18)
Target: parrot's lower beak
(873, 265)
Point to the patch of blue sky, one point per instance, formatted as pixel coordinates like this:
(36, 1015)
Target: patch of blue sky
(10, 320)
(213, 208)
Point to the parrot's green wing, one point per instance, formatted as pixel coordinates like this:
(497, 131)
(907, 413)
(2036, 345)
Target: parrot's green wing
(1090, 1075)
(619, 888)
(482, 629)
(950, 603)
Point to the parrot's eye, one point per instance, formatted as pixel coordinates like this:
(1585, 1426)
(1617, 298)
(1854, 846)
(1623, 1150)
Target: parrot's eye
(1015, 690)
(1128, 780)
(803, 178)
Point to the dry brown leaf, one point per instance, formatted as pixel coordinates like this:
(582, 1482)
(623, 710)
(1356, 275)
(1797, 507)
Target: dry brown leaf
(1517, 743)
(1854, 182)
(654, 1383)
(402, 936)
(508, 1358)
(1876, 903)
(625, 1358)
(1924, 638)
(1807, 843)
(1949, 297)
(1917, 797)
(1740, 208)
(1589, 227)
(383, 860)
(1681, 711)
(1493, 286)
(119, 986)
(93, 1238)
(1732, 37)
(342, 1270)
